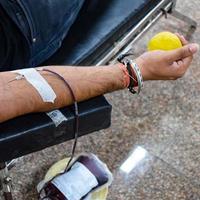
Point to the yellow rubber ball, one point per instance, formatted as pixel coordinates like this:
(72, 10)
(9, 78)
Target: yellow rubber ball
(164, 41)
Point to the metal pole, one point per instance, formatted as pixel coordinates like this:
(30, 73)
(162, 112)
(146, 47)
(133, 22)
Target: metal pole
(6, 182)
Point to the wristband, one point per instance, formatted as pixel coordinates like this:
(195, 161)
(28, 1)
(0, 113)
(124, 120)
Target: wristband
(135, 76)
(126, 75)
(138, 75)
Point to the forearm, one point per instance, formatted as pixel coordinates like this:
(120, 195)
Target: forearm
(19, 97)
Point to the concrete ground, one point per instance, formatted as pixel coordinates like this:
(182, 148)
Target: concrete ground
(163, 122)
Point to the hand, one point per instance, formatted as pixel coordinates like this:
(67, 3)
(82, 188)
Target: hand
(167, 65)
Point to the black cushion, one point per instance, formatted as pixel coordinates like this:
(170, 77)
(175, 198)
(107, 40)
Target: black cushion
(34, 132)
(91, 36)
(97, 28)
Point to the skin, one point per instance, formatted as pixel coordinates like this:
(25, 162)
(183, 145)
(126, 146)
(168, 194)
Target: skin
(167, 65)
(19, 97)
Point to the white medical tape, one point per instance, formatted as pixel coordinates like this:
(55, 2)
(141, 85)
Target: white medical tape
(57, 117)
(39, 83)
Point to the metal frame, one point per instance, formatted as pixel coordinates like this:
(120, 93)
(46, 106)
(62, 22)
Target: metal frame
(120, 47)
(5, 179)
(162, 9)
(188, 20)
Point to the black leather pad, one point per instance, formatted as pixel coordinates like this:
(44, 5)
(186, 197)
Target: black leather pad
(34, 132)
(98, 28)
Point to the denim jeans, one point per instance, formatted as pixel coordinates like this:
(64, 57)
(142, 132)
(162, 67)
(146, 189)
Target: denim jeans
(44, 24)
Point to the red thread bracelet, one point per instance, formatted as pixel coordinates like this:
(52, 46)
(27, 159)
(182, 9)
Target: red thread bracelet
(126, 75)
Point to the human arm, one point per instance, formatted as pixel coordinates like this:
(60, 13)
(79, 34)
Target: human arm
(19, 97)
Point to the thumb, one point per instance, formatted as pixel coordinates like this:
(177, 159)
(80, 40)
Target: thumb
(181, 53)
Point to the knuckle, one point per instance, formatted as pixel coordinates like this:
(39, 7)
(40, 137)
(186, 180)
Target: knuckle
(180, 73)
(183, 53)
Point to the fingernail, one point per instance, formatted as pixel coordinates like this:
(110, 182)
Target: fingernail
(194, 48)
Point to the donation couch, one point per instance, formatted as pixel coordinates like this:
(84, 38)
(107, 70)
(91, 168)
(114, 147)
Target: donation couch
(116, 25)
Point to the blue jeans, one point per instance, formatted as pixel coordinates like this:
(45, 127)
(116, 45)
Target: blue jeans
(44, 24)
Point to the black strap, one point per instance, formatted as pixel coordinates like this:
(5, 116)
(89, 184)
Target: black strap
(128, 66)
(122, 56)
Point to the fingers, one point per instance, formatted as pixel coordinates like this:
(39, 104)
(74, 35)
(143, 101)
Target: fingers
(182, 57)
(181, 53)
(185, 63)
(182, 39)
(180, 67)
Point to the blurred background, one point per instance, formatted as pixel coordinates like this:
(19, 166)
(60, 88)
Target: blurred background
(160, 128)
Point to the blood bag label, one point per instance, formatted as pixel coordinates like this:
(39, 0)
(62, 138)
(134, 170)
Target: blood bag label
(76, 183)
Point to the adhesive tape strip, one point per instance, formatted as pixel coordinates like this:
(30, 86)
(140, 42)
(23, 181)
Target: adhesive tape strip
(57, 117)
(39, 83)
